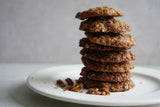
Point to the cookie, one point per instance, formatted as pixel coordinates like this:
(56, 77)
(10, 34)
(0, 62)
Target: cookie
(99, 12)
(111, 86)
(103, 76)
(108, 56)
(114, 40)
(104, 25)
(85, 43)
(107, 67)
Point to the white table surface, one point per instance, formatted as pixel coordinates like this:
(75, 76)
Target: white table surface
(15, 93)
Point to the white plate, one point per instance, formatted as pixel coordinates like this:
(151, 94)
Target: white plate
(147, 90)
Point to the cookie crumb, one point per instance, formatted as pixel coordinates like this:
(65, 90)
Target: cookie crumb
(93, 91)
(69, 81)
(61, 83)
(55, 87)
(81, 91)
(67, 88)
(80, 80)
(77, 87)
(105, 91)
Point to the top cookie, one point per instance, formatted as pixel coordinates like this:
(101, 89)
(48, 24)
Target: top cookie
(99, 12)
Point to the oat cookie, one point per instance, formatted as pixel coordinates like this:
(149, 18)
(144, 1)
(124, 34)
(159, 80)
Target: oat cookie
(103, 76)
(99, 12)
(85, 43)
(107, 67)
(112, 86)
(118, 40)
(108, 56)
(104, 25)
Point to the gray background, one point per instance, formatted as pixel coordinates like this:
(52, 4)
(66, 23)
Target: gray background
(45, 31)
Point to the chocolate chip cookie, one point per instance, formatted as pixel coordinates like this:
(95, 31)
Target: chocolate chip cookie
(103, 76)
(114, 40)
(108, 56)
(99, 12)
(111, 86)
(104, 25)
(85, 43)
(107, 67)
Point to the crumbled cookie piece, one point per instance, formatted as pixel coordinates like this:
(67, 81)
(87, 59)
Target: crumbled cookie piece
(108, 56)
(77, 87)
(67, 88)
(98, 91)
(81, 91)
(55, 87)
(61, 83)
(69, 81)
(94, 91)
(80, 80)
(104, 91)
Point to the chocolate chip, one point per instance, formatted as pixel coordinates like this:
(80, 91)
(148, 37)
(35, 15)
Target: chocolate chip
(107, 26)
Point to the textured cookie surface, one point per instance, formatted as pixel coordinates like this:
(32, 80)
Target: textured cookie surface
(85, 43)
(103, 76)
(99, 12)
(118, 40)
(108, 56)
(104, 25)
(107, 67)
(112, 86)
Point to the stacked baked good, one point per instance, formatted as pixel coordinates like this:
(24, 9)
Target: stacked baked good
(105, 50)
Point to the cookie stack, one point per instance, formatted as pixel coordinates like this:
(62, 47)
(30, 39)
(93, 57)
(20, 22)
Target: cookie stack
(105, 50)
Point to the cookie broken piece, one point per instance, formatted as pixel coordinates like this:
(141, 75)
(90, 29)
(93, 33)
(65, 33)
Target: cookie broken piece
(107, 67)
(114, 40)
(104, 25)
(99, 12)
(93, 91)
(111, 86)
(79, 85)
(98, 91)
(69, 81)
(85, 43)
(60, 83)
(108, 56)
(105, 91)
(103, 76)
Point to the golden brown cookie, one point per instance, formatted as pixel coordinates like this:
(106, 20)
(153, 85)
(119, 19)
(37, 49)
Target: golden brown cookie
(107, 67)
(114, 40)
(111, 86)
(99, 12)
(104, 25)
(103, 76)
(85, 43)
(108, 56)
